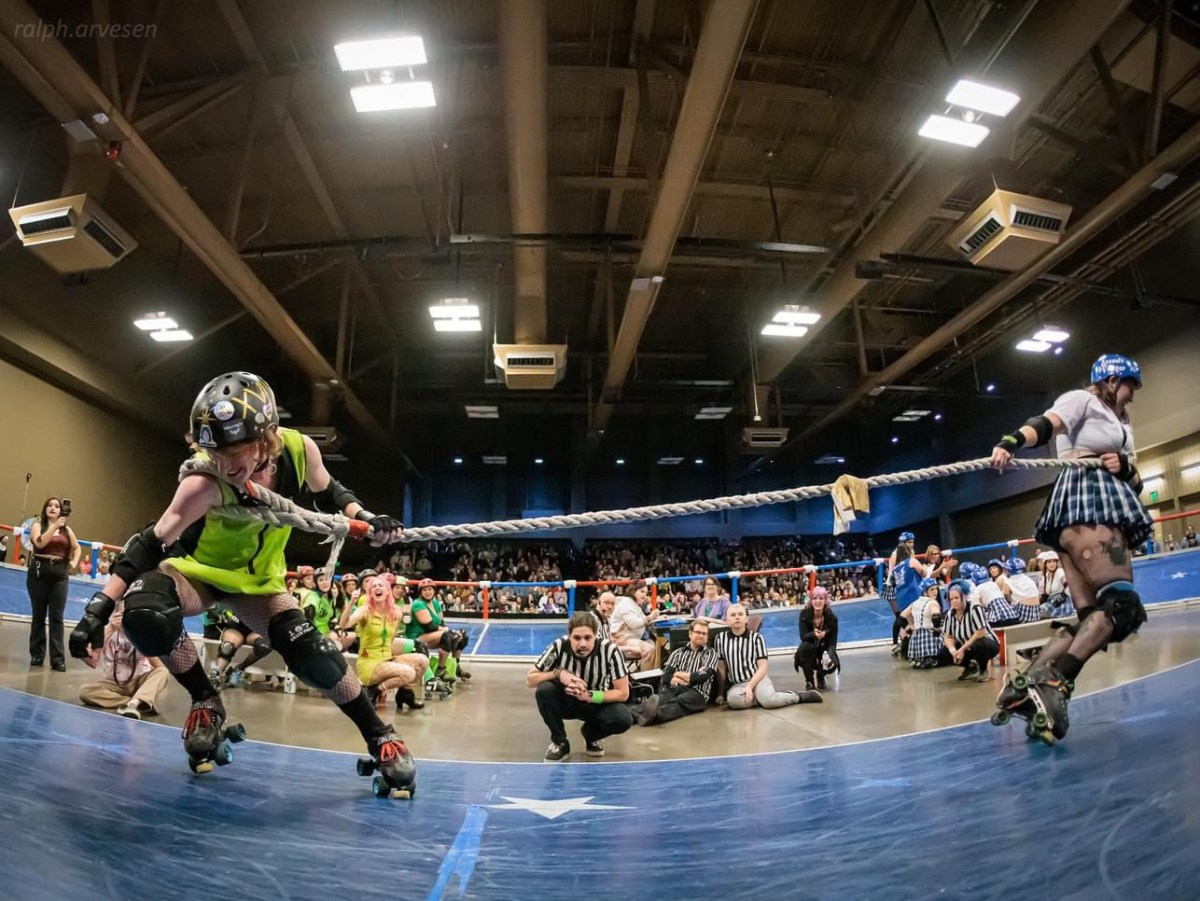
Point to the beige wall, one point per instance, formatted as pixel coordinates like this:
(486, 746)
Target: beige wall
(119, 476)
(1012, 517)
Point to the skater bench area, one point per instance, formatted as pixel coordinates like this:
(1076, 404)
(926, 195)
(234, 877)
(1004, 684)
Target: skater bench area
(1164, 580)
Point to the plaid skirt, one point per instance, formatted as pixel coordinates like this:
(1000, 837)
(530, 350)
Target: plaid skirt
(1000, 610)
(1092, 497)
(1058, 605)
(923, 643)
(1028, 613)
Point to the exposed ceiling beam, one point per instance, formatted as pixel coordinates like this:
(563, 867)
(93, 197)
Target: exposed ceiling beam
(1034, 63)
(1185, 150)
(49, 72)
(523, 65)
(170, 116)
(734, 190)
(721, 40)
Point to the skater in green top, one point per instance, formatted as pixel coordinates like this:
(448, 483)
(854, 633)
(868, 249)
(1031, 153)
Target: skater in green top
(199, 551)
(428, 627)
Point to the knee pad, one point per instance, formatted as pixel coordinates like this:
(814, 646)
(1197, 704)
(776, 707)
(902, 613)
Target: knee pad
(226, 649)
(260, 648)
(153, 615)
(1122, 605)
(936, 620)
(453, 640)
(314, 659)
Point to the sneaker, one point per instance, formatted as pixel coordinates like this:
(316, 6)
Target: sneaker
(808, 686)
(820, 682)
(593, 749)
(556, 751)
(969, 671)
(131, 710)
(645, 712)
(59, 667)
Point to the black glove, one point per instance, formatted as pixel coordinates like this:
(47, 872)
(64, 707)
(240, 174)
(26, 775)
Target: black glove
(90, 629)
(379, 523)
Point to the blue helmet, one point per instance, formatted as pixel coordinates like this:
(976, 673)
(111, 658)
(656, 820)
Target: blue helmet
(962, 585)
(1015, 565)
(908, 536)
(926, 584)
(995, 562)
(1114, 364)
(974, 572)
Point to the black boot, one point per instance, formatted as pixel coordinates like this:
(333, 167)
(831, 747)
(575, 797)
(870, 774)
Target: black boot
(407, 696)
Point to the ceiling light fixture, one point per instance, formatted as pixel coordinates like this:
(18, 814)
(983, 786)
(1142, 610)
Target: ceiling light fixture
(699, 461)
(895, 439)
(1034, 347)
(982, 98)
(454, 308)
(153, 322)
(779, 330)
(620, 461)
(457, 325)
(381, 53)
(1051, 334)
(954, 131)
(495, 459)
(379, 98)
(669, 461)
(482, 411)
(458, 460)
(538, 461)
(793, 314)
(172, 335)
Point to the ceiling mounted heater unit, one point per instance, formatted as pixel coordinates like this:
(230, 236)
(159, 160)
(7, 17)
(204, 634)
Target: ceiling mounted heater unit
(72, 234)
(1009, 231)
(763, 438)
(531, 367)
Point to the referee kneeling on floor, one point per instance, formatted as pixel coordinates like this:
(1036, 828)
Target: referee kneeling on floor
(580, 677)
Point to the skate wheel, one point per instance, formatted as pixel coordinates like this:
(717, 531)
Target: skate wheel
(1020, 682)
(1040, 720)
(223, 754)
(365, 766)
(200, 767)
(236, 732)
(1000, 717)
(380, 787)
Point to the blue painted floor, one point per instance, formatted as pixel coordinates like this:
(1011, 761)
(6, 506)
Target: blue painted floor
(92, 805)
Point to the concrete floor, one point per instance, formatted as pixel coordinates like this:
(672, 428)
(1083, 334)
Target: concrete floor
(494, 718)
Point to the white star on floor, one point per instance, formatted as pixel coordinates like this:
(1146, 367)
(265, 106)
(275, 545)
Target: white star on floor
(552, 809)
(1180, 575)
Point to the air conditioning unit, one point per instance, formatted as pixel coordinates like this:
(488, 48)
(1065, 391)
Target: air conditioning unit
(71, 234)
(1010, 231)
(762, 438)
(325, 437)
(536, 367)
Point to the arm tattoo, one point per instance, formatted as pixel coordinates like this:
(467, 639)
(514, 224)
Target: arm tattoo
(1116, 550)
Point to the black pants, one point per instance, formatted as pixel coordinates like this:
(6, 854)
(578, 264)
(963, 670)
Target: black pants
(981, 652)
(675, 701)
(808, 659)
(599, 720)
(47, 586)
(898, 623)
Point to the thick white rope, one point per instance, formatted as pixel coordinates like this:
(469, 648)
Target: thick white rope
(733, 502)
(280, 511)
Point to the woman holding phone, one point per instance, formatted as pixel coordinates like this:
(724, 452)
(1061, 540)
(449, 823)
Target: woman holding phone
(55, 554)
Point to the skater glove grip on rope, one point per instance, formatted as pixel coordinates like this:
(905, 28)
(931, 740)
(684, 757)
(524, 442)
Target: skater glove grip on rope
(1042, 428)
(90, 628)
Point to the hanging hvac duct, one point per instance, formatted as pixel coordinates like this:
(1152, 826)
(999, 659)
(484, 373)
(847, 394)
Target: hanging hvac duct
(72, 234)
(1009, 230)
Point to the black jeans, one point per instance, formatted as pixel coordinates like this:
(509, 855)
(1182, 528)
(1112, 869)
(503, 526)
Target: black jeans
(808, 659)
(47, 586)
(981, 652)
(599, 720)
(675, 701)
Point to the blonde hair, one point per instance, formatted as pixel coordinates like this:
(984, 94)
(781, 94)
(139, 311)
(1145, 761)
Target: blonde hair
(1108, 396)
(270, 442)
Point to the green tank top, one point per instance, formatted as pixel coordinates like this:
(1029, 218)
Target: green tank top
(243, 556)
(322, 610)
(414, 629)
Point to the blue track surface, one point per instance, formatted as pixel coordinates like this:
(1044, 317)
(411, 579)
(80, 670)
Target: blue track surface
(1171, 577)
(92, 805)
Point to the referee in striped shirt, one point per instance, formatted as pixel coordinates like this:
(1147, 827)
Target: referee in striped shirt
(581, 677)
(743, 655)
(686, 680)
(967, 635)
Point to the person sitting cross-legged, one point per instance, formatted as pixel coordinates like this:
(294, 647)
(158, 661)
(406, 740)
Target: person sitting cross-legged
(743, 657)
(686, 681)
(131, 681)
(580, 677)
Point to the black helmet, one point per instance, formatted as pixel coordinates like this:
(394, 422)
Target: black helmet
(234, 407)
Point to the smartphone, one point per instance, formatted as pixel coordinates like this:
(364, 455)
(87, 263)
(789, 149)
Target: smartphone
(65, 507)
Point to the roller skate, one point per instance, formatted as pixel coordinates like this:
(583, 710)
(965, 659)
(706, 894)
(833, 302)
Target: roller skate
(1039, 696)
(216, 676)
(234, 677)
(206, 738)
(391, 765)
(438, 688)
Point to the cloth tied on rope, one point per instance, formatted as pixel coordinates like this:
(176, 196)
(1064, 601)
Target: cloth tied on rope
(850, 499)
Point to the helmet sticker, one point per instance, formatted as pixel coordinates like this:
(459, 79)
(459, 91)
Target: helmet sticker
(223, 410)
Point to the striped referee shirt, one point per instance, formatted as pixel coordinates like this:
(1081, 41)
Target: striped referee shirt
(600, 669)
(602, 631)
(688, 660)
(741, 654)
(962, 629)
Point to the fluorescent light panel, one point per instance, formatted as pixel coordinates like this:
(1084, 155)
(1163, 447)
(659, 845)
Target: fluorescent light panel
(482, 412)
(669, 461)
(457, 325)
(779, 330)
(982, 98)
(379, 98)
(797, 317)
(722, 410)
(495, 459)
(954, 131)
(1051, 334)
(381, 53)
(917, 412)
(153, 322)
(452, 309)
(1194, 469)
(172, 335)
(1033, 346)
(903, 418)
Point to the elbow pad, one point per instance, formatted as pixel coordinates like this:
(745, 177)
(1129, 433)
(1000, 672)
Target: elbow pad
(142, 553)
(1128, 473)
(334, 497)
(1042, 427)
(429, 626)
